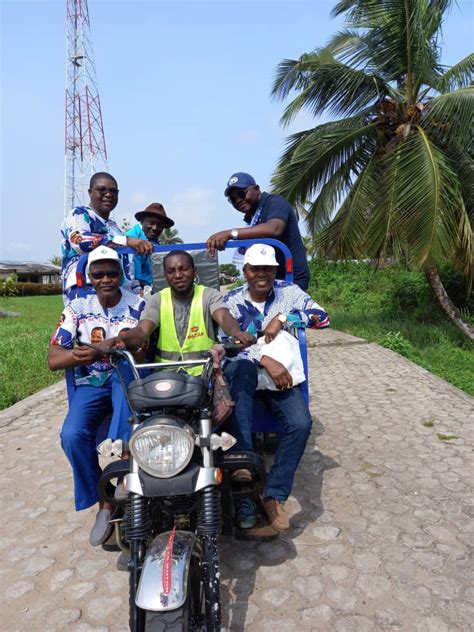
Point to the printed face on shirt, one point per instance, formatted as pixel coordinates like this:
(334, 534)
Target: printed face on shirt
(97, 335)
(152, 227)
(103, 198)
(179, 274)
(260, 279)
(108, 277)
(248, 203)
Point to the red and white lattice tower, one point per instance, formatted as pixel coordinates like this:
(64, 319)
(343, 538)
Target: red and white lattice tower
(86, 152)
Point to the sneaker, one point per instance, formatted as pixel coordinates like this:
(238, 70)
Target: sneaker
(276, 514)
(246, 511)
(241, 476)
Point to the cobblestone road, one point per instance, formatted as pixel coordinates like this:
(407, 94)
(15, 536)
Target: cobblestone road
(381, 528)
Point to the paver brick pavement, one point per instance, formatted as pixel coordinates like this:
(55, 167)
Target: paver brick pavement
(381, 529)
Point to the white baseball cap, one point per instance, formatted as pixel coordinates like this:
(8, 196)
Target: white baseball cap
(260, 255)
(101, 253)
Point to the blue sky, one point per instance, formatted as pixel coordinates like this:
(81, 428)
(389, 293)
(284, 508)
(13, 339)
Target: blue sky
(185, 93)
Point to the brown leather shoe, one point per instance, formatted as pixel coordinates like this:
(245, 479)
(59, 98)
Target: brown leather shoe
(276, 514)
(241, 476)
(260, 533)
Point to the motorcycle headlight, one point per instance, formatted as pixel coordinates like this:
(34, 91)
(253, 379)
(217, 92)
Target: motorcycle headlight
(162, 449)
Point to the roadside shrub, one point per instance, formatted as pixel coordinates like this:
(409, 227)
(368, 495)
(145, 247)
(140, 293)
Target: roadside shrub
(394, 341)
(410, 291)
(38, 289)
(8, 287)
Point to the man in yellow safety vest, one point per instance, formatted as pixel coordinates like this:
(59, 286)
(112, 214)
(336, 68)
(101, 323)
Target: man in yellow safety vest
(185, 314)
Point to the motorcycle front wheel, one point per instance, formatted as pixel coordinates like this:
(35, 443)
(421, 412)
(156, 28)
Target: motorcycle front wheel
(190, 617)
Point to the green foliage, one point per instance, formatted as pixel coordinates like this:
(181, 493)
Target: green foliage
(56, 260)
(394, 307)
(392, 174)
(170, 236)
(38, 289)
(23, 347)
(8, 287)
(394, 341)
(230, 269)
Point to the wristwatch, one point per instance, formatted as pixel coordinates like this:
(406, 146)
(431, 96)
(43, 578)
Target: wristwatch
(282, 318)
(234, 233)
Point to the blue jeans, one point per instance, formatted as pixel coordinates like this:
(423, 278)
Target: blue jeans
(291, 410)
(87, 409)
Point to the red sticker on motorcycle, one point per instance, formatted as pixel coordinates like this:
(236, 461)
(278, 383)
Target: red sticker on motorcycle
(168, 565)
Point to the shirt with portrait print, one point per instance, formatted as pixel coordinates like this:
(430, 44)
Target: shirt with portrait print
(85, 320)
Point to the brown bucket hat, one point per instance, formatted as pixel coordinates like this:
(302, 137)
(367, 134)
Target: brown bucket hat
(155, 210)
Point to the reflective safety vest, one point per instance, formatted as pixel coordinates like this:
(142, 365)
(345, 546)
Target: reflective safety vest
(196, 340)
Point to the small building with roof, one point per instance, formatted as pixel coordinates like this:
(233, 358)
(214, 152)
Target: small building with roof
(31, 271)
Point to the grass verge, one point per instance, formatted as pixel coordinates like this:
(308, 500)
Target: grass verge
(23, 346)
(394, 308)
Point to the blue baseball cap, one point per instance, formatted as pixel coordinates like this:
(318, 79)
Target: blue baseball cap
(239, 180)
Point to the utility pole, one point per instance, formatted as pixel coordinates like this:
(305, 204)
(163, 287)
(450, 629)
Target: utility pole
(85, 147)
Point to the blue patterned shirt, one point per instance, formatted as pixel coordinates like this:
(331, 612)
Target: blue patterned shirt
(284, 298)
(83, 230)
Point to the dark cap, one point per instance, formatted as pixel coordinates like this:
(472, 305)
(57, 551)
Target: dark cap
(157, 211)
(239, 180)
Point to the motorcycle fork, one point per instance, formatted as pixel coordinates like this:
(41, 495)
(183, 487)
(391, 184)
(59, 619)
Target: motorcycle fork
(138, 533)
(208, 529)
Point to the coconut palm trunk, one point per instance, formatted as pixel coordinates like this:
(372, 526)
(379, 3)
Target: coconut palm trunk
(451, 311)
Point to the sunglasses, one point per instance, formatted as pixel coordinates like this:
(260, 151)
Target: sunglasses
(104, 190)
(111, 274)
(236, 195)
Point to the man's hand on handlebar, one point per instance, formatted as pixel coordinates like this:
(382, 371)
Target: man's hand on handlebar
(245, 339)
(111, 343)
(85, 355)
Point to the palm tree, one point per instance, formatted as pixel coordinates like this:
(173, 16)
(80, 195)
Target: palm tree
(393, 174)
(56, 260)
(170, 236)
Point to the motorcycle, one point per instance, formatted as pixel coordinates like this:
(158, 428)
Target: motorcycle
(174, 495)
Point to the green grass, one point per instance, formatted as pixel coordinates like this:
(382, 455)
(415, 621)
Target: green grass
(394, 308)
(24, 344)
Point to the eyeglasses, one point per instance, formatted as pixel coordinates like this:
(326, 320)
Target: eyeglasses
(104, 190)
(111, 274)
(236, 195)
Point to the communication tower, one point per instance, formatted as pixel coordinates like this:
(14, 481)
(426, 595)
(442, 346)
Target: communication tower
(85, 147)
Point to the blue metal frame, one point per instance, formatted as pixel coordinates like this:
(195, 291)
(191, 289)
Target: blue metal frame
(263, 420)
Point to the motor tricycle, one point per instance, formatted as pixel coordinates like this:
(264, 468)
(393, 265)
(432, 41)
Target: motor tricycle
(174, 496)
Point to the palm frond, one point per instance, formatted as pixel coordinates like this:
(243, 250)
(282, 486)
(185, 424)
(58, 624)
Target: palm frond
(338, 89)
(313, 158)
(458, 76)
(428, 195)
(450, 117)
(295, 74)
(319, 213)
(344, 238)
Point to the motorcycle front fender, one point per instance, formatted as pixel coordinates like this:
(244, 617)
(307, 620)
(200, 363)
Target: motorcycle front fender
(159, 591)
